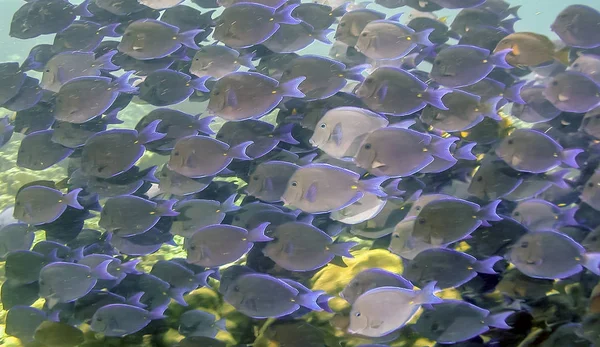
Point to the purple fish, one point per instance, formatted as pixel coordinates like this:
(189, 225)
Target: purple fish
(129, 215)
(181, 279)
(29, 95)
(39, 205)
(536, 108)
(452, 4)
(269, 180)
(587, 64)
(572, 91)
(538, 214)
(264, 136)
(168, 87)
(577, 26)
(123, 319)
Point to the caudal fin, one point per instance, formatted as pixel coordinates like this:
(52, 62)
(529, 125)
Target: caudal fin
(434, 97)
(71, 199)
(486, 266)
(373, 185)
(284, 134)
(342, 249)
(558, 178)
(104, 62)
(422, 37)
(229, 204)
(101, 271)
(568, 157)
(121, 84)
(110, 30)
(427, 295)
(239, 151)
(321, 35)
(165, 208)
(355, 73)
(488, 212)
(246, 60)
(284, 15)
(513, 93)
(499, 59)
(187, 38)
(465, 152)
(149, 134)
(309, 300)
(290, 88)
(498, 320)
(591, 261)
(440, 147)
(258, 234)
(199, 84)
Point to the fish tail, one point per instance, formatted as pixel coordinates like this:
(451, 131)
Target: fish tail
(340, 10)
(284, 15)
(110, 30)
(165, 208)
(149, 134)
(488, 212)
(513, 93)
(427, 295)
(71, 199)
(149, 175)
(355, 73)
(134, 300)
(391, 189)
(567, 217)
(202, 278)
(395, 17)
(239, 151)
(208, 17)
(373, 185)
(111, 117)
(434, 97)
(229, 204)
(509, 24)
(101, 271)
(321, 35)
(177, 295)
(82, 9)
(220, 324)
(199, 84)
(186, 38)
(486, 266)
(499, 59)
(246, 60)
(122, 85)
(558, 178)
(258, 234)
(158, 313)
(498, 320)
(568, 157)
(309, 300)
(129, 267)
(491, 107)
(440, 147)
(203, 124)
(290, 88)
(591, 261)
(284, 133)
(342, 249)
(104, 62)
(422, 37)
(514, 11)
(465, 152)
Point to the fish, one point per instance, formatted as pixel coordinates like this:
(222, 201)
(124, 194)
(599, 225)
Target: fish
(217, 61)
(23, 266)
(200, 323)
(591, 194)
(188, 18)
(160, 4)
(15, 237)
(123, 319)
(484, 36)
(352, 24)
(171, 182)
(38, 57)
(195, 214)
(6, 131)
(57, 334)
(129, 215)
(294, 37)
(269, 180)
(65, 66)
(454, 4)
(38, 18)
(370, 279)
(22, 321)
(527, 49)
(404, 244)
(39, 205)
(388, 39)
(168, 87)
(539, 215)
(382, 310)
(264, 136)
(572, 91)
(537, 108)
(72, 135)
(366, 208)
(83, 35)
(575, 25)
(318, 16)
(588, 64)
(181, 279)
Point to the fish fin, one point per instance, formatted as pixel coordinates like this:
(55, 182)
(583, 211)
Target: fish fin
(355, 73)
(453, 34)
(290, 88)
(122, 85)
(427, 295)
(104, 62)
(513, 93)
(165, 208)
(101, 271)
(229, 204)
(491, 106)
(149, 134)
(268, 184)
(405, 124)
(203, 124)
(391, 189)
(110, 30)
(440, 147)
(488, 212)
(340, 10)
(509, 24)
(202, 278)
(246, 60)
(382, 91)
(231, 98)
(186, 38)
(486, 266)
(111, 117)
(70, 199)
(307, 159)
(434, 97)
(422, 37)
(258, 234)
(465, 153)
(568, 216)
(558, 178)
(395, 17)
(220, 324)
(82, 9)
(311, 193)
(77, 254)
(134, 300)
(415, 196)
(591, 261)
(336, 134)
(321, 35)
(514, 11)
(373, 185)
(149, 176)
(308, 219)
(177, 295)
(158, 313)
(198, 84)
(309, 300)
(284, 133)
(498, 320)
(568, 157)
(129, 267)
(499, 59)
(284, 15)
(342, 249)
(239, 151)
(334, 229)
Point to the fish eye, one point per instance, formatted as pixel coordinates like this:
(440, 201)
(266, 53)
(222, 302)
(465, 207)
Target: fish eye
(479, 178)
(524, 244)
(397, 236)
(255, 178)
(369, 80)
(323, 126)
(48, 70)
(367, 146)
(176, 153)
(364, 34)
(517, 214)
(591, 184)
(342, 24)
(192, 247)
(554, 83)
(438, 62)
(510, 142)
(294, 184)
(594, 238)
(576, 65)
(236, 218)
(422, 220)
(99, 319)
(236, 289)
(217, 93)
(357, 314)
(418, 208)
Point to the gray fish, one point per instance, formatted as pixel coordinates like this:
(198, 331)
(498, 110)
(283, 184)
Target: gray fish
(120, 7)
(205, 341)
(273, 65)
(516, 285)
(217, 245)
(591, 191)
(264, 296)
(126, 183)
(591, 123)
(404, 244)
(551, 255)
(299, 246)
(111, 152)
(489, 88)
(448, 268)
(29, 95)
(248, 212)
(171, 182)
(382, 310)
(39, 205)
(168, 87)
(200, 156)
(352, 24)
(397, 92)
(539, 215)
(23, 267)
(160, 4)
(536, 184)
(269, 180)
(465, 110)
(576, 25)
(15, 237)
(58, 334)
(346, 54)
(341, 130)
(396, 151)
(493, 179)
(290, 38)
(318, 16)
(129, 215)
(22, 321)
(273, 217)
(320, 188)
(11, 79)
(454, 321)
(51, 16)
(388, 39)
(572, 91)
(246, 24)
(195, 214)
(188, 18)
(370, 279)
(217, 61)
(537, 108)
(200, 323)
(6, 131)
(181, 279)
(587, 64)
(73, 98)
(83, 36)
(150, 39)
(119, 270)
(532, 151)
(264, 136)
(123, 319)
(62, 282)
(323, 76)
